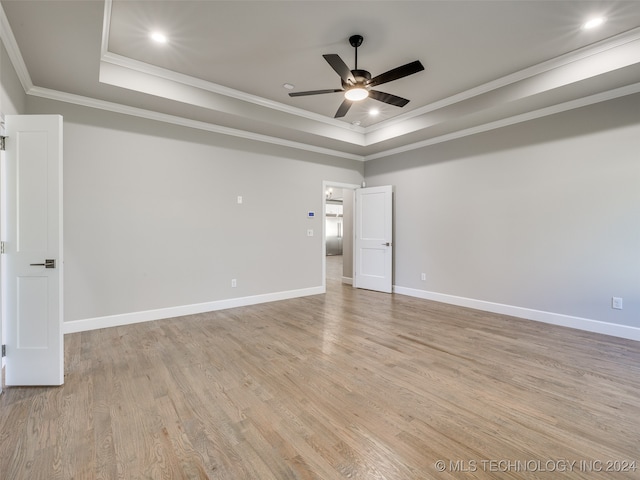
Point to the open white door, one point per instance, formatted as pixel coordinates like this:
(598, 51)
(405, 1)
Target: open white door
(32, 261)
(374, 238)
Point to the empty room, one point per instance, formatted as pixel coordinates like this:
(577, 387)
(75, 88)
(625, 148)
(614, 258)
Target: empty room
(319, 240)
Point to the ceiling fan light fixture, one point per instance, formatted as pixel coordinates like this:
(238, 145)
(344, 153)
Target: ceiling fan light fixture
(356, 94)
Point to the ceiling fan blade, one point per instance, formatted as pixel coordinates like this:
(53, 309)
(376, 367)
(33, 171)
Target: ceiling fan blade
(340, 67)
(314, 92)
(396, 73)
(388, 98)
(343, 109)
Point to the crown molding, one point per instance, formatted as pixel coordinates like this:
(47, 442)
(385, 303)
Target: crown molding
(170, 75)
(622, 40)
(184, 122)
(505, 122)
(526, 73)
(205, 85)
(395, 124)
(529, 72)
(106, 24)
(9, 40)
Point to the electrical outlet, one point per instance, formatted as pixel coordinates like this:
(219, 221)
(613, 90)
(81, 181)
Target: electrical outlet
(239, 199)
(616, 303)
(310, 233)
(234, 283)
(423, 276)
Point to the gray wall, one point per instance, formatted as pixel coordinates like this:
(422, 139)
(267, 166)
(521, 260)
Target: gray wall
(543, 215)
(152, 220)
(12, 96)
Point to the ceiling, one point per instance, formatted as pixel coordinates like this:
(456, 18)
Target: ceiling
(487, 64)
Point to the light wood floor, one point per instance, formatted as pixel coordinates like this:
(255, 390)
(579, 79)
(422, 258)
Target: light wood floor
(351, 384)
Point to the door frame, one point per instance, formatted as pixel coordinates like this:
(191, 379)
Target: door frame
(2, 238)
(325, 185)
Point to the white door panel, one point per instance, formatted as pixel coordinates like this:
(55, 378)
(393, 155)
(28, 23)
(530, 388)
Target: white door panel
(374, 242)
(33, 289)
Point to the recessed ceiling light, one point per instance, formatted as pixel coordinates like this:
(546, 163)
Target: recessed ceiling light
(593, 23)
(289, 86)
(159, 37)
(373, 112)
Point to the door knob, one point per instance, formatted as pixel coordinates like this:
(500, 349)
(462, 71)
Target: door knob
(48, 263)
(388, 244)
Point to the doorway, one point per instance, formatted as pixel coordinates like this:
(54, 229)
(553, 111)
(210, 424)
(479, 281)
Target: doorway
(337, 232)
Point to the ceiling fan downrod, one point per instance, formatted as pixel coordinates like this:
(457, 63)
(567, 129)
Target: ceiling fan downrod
(356, 41)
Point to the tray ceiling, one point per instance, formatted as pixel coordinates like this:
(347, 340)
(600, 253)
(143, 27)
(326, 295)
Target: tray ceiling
(488, 64)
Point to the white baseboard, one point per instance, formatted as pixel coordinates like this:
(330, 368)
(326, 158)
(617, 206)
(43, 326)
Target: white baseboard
(75, 326)
(596, 326)
(347, 280)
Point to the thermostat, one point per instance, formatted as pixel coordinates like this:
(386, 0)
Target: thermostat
(311, 214)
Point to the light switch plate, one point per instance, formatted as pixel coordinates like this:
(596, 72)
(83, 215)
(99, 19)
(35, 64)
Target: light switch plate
(616, 303)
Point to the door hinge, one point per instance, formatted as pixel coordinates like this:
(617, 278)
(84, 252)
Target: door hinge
(2, 248)
(4, 350)
(2, 139)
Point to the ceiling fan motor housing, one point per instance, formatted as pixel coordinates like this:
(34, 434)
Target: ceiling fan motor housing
(362, 78)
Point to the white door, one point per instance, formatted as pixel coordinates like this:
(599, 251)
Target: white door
(374, 240)
(32, 262)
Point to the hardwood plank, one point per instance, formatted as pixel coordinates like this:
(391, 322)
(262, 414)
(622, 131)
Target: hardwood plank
(351, 384)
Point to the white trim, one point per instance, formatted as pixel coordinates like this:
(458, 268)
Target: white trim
(7, 37)
(166, 74)
(75, 326)
(185, 122)
(205, 85)
(554, 63)
(520, 118)
(586, 324)
(106, 26)
(518, 76)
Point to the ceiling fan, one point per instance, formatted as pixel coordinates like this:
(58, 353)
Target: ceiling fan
(357, 84)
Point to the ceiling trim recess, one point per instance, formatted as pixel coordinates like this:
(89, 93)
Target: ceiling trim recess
(622, 51)
(188, 80)
(529, 72)
(183, 122)
(13, 51)
(562, 70)
(350, 133)
(524, 117)
(142, 67)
